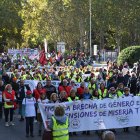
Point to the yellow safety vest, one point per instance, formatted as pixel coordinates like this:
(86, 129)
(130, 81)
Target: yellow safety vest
(104, 94)
(40, 76)
(96, 97)
(70, 100)
(61, 77)
(91, 88)
(68, 74)
(113, 97)
(79, 80)
(8, 106)
(75, 72)
(119, 93)
(35, 78)
(24, 77)
(110, 74)
(73, 62)
(60, 131)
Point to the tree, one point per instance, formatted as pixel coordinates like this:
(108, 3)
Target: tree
(115, 23)
(11, 22)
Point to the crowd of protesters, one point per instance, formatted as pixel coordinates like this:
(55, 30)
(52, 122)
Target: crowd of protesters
(111, 82)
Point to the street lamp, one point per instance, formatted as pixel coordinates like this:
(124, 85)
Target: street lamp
(90, 27)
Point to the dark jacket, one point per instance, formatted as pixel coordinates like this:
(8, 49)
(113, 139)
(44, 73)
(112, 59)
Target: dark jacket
(15, 87)
(126, 78)
(49, 90)
(132, 84)
(22, 92)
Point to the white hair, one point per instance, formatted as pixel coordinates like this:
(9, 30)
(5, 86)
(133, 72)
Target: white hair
(108, 135)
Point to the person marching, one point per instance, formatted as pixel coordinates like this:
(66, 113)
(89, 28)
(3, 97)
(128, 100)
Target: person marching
(125, 95)
(86, 95)
(59, 124)
(137, 127)
(1, 98)
(65, 87)
(28, 110)
(54, 98)
(92, 86)
(96, 95)
(9, 100)
(80, 90)
(43, 99)
(102, 91)
(37, 92)
(72, 96)
(63, 96)
(120, 89)
(108, 135)
(50, 88)
(78, 78)
(112, 95)
(21, 95)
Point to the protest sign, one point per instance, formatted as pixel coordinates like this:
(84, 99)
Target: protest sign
(97, 114)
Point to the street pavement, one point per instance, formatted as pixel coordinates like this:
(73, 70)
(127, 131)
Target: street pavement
(17, 132)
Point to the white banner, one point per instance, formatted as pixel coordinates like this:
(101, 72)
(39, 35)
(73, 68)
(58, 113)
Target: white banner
(97, 114)
(61, 47)
(33, 83)
(25, 51)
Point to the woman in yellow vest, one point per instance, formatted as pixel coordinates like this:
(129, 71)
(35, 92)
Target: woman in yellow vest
(73, 96)
(102, 91)
(78, 78)
(96, 95)
(59, 124)
(92, 86)
(120, 89)
(9, 102)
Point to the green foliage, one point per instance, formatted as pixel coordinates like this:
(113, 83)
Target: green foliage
(130, 55)
(114, 22)
(10, 22)
(68, 21)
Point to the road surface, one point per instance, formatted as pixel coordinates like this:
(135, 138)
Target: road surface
(17, 132)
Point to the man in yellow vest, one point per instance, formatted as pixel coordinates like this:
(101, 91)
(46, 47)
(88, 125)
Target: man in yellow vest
(92, 86)
(24, 75)
(120, 89)
(78, 78)
(59, 124)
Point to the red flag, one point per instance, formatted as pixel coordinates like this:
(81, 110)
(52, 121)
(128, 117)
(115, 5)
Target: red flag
(42, 58)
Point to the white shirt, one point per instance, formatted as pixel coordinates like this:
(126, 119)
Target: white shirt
(29, 107)
(124, 71)
(129, 95)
